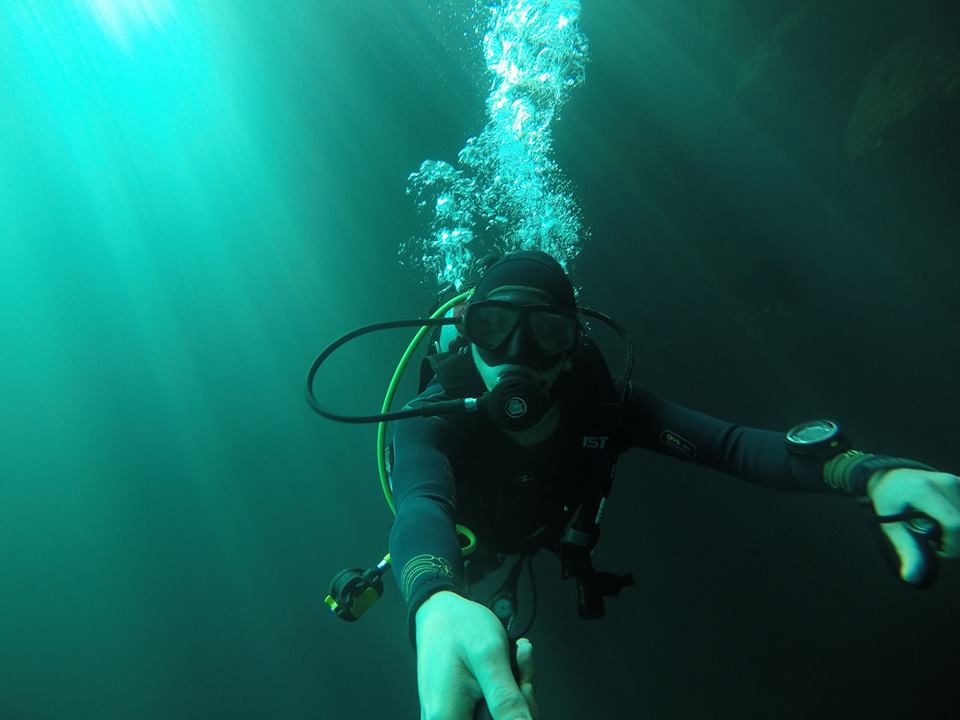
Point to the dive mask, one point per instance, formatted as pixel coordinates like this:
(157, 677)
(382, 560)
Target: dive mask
(490, 325)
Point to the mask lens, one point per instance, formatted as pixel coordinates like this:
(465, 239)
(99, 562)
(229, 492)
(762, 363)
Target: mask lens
(553, 332)
(488, 325)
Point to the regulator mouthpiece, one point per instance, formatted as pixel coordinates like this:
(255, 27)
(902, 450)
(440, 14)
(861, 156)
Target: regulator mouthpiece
(516, 403)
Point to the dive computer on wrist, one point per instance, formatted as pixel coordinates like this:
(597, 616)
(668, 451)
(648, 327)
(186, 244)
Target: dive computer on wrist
(821, 439)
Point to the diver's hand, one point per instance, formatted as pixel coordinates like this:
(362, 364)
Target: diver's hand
(462, 658)
(934, 493)
(528, 675)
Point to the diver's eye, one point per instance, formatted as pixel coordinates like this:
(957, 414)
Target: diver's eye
(491, 322)
(488, 326)
(546, 328)
(553, 332)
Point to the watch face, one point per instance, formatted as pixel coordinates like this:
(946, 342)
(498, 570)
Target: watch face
(813, 432)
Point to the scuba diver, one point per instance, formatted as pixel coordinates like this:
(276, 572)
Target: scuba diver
(527, 462)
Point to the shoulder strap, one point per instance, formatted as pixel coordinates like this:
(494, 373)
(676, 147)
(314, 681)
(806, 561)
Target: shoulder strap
(603, 440)
(599, 398)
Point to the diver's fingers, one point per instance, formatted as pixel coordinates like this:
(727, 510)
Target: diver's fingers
(491, 668)
(940, 503)
(448, 692)
(934, 493)
(528, 671)
(911, 560)
(528, 675)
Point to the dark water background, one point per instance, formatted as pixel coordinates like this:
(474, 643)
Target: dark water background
(189, 214)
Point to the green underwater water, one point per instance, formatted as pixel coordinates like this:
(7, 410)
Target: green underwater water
(196, 197)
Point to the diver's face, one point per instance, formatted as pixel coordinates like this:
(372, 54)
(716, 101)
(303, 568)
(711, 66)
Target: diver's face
(518, 354)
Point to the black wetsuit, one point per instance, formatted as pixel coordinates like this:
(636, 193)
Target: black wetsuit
(462, 469)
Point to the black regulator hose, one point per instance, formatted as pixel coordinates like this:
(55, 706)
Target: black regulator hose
(429, 409)
(450, 407)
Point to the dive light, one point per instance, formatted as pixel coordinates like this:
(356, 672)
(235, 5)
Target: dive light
(354, 591)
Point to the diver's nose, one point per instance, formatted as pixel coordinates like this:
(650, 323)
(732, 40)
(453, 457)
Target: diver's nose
(520, 345)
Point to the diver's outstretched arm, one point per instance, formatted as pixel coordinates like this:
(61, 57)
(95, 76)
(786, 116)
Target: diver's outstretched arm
(462, 658)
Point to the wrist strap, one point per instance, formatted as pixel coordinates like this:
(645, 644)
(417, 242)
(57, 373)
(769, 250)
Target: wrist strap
(851, 471)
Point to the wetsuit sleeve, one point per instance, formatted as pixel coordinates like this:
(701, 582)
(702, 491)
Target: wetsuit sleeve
(424, 550)
(751, 454)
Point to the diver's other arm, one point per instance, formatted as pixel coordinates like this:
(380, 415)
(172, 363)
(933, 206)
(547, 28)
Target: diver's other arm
(899, 488)
(462, 658)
